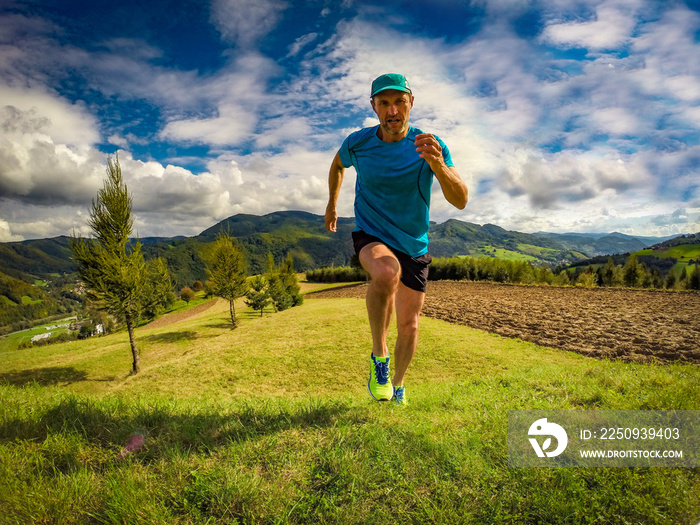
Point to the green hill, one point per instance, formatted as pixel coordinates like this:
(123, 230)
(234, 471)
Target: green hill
(40, 257)
(303, 235)
(22, 302)
(602, 244)
(455, 237)
(271, 423)
(671, 255)
(675, 254)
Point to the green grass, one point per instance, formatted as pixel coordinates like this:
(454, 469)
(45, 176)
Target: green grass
(180, 305)
(12, 341)
(510, 255)
(6, 301)
(538, 252)
(683, 252)
(500, 253)
(271, 423)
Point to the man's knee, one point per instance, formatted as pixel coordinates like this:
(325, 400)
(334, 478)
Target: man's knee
(386, 272)
(408, 324)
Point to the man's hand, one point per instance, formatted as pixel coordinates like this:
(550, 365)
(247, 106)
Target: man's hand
(454, 190)
(335, 179)
(429, 149)
(331, 218)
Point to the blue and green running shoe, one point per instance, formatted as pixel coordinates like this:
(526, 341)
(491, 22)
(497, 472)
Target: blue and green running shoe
(379, 385)
(400, 395)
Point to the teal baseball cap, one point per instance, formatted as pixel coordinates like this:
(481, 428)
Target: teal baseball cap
(390, 81)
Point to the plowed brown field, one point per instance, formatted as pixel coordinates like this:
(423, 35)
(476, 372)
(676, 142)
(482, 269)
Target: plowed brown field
(632, 325)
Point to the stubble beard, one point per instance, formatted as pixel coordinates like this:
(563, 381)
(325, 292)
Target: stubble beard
(386, 127)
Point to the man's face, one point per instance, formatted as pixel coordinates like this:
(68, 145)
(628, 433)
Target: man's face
(393, 108)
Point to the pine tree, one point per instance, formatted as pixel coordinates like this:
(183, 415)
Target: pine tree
(158, 289)
(278, 294)
(283, 283)
(258, 297)
(587, 279)
(563, 278)
(631, 272)
(290, 281)
(117, 278)
(610, 274)
(694, 279)
(227, 271)
(670, 281)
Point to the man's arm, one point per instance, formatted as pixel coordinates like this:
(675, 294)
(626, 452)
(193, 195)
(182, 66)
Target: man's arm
(453, 188)
(335, 180)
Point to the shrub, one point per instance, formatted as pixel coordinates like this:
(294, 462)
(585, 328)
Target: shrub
(186, 294)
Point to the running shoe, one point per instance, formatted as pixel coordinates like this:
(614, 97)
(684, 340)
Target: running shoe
(400, 395)
(379, 384)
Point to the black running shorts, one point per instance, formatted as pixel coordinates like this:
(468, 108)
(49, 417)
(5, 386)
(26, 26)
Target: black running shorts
(414, 270)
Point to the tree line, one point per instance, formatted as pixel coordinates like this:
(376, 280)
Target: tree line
(337, 274)
(632, 273)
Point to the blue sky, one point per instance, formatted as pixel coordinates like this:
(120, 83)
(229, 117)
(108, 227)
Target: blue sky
(561, 115)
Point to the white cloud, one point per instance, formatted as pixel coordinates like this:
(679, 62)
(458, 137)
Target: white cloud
(561, 179)
(45, 149)
(37, 110)
(611, 27)
(243, 22)
(6, 234)
(233, 124)
(618, 121)
(117, 141)
(30, 221)
(277, 131)
(234, 101)
(300, 43)
(504, 105)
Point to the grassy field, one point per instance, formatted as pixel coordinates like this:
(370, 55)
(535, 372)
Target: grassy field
(683, 254)
(271, 423)
(12, 341)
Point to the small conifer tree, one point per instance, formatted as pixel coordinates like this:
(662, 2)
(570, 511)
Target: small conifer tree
(258, 297)
(670, 282)
(694, 279)
(631, 273)
(227, 271)
(290, 281)
(283, 284)
(117, 278)
(278, 295)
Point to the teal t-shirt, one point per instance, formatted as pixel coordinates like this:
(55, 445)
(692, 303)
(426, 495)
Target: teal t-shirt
(392, 192)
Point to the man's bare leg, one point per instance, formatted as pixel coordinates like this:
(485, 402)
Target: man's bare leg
(408, 306)
(384, 270)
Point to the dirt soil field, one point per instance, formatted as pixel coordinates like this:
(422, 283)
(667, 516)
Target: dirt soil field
(632, 325)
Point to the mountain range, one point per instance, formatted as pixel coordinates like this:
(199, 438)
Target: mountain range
(303, 235)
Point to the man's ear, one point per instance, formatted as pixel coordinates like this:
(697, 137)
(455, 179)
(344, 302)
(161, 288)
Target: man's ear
(371, 100)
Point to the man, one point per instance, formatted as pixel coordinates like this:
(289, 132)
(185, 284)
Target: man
(395, 164)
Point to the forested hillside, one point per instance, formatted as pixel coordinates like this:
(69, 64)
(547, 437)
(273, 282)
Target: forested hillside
(303, 235)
